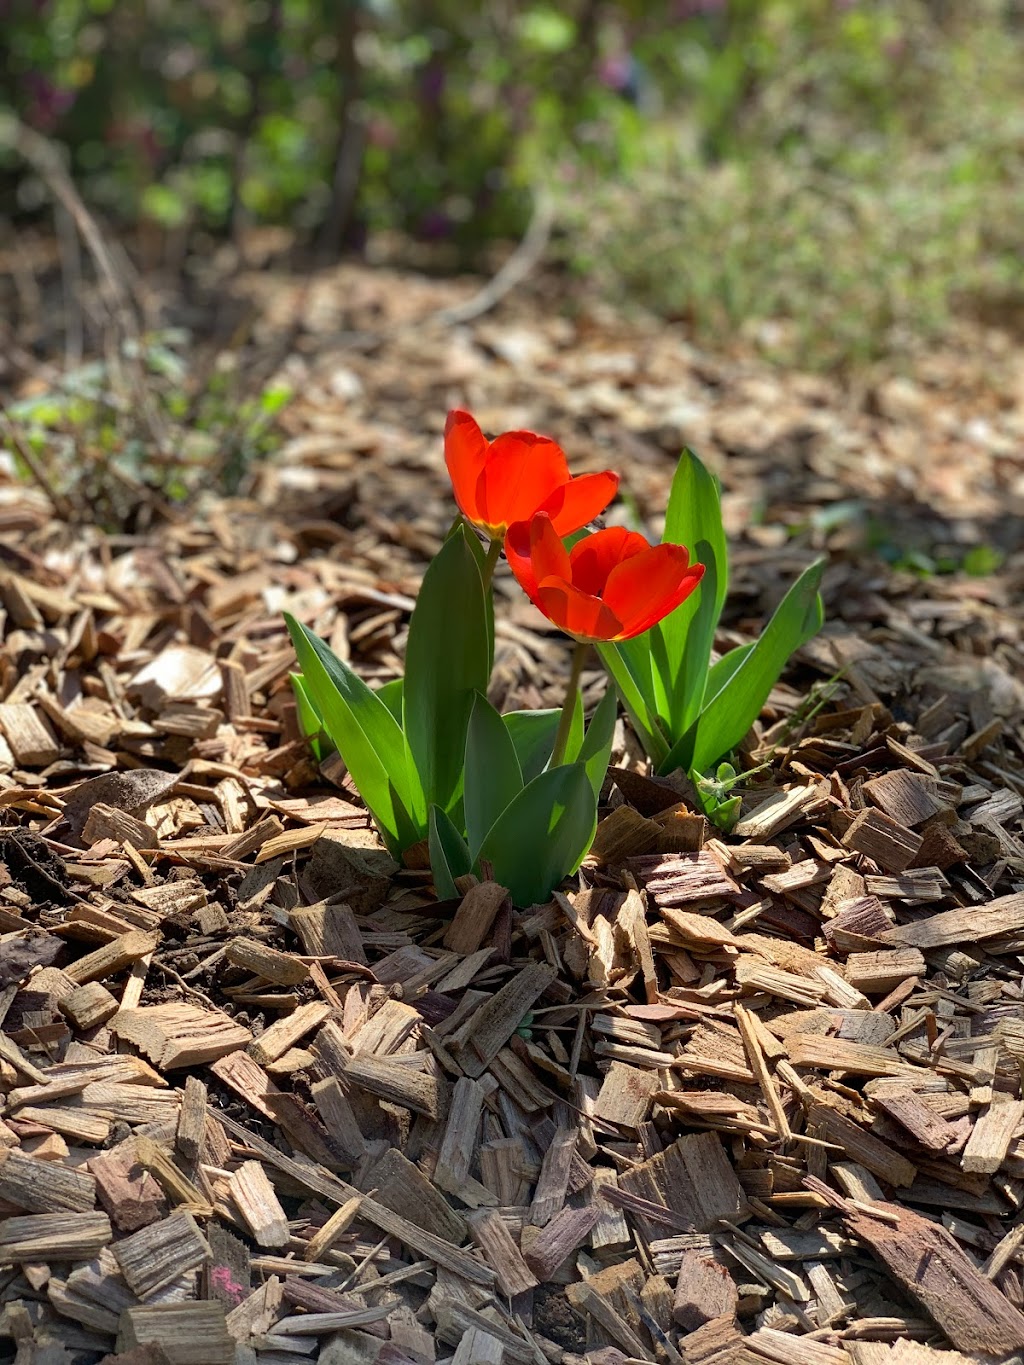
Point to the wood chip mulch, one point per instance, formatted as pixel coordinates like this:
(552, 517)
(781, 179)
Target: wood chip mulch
(726, 1100)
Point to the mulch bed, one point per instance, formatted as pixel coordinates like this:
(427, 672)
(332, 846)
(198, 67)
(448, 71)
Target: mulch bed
(747, 1098)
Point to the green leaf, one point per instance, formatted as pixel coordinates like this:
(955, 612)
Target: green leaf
(446, 664)
(449, 856)
(575, 737)
(544, 834)
(640, 711)
(731, 712)
(310, 722)
(391, 695)
(479, 550)
(533, 735)
(493, 776)
(596, 749)
(694, 519)
(367, 737)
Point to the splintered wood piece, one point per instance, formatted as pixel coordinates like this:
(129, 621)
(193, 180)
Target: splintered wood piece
(339, 1120)
(990, 1137)
(158, 1255)
(259, 1205)
(487, 1031)
(586, 1299)
(860, 1146)
(396, 1083)
(676, 879)
(89, 1006)
(320, 1181)
(879, 972)
(552, 1245)
(908, 798)
(610, 1232)
(107, 822)
(402, 1187)
(622, 834)
(780, 810)
(283, 969)
(928, 1264)
(178, 1034)
(336, 1226)
(475, 917)
(286, 1032)
(43, 1186)
(704, 1290)
(31, 740)
(113, 957)
(459, 1144)
(886, 841)
(553, 1182)
(759, 1066)
(328, 931)
(626, 1094)
(478, 1347)
(694, 1180)
(54, 1237)
(836, 1054)
(192, 1333)
(973, 923)
(925, 1126)
(191, 1119)
(127, 1191)
(493, 1238)
(76, 1124)
(177, 1186)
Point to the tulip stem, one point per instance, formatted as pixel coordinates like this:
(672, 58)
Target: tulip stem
(579, 655)
(493, 555)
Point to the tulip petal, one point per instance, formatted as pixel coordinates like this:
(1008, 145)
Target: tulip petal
(534, 551)
(520, 471)
(577, 613)
(465, 453)
(594, 558)
(580, 500)
(649, 585)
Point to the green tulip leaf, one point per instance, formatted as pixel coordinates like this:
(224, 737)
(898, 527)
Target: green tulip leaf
(533, 736)
(446, 664)
(596, 749)
(368, 738)
(543, 835)
(449, 855)
(493, 776)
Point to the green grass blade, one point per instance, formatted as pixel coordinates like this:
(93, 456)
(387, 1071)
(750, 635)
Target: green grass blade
(391, 695)
(446, 664)
(544, 834)
(493, 776)
(310, 721)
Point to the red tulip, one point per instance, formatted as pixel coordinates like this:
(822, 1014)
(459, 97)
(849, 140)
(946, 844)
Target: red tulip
(508, 479)
(609, 586)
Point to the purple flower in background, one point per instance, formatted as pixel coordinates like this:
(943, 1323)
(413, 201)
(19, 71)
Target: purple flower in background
(434, 225)
(615, 71)
(48, 103)
(432, 81)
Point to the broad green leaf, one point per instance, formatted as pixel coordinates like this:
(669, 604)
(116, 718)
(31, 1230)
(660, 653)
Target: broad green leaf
(533, 735)
(641, 713)
(732, 711)
(310, 722)
(493, 776)
(721, 672)
(694, 519)
(446, 664)
(449, 856)
(544, 834)
(367, 737)
(575, 739)
(477, 546)
(596, 749)
(391, 695)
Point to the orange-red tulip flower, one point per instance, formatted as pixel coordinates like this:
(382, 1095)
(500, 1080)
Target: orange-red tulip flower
(609, 586)
(508, 479)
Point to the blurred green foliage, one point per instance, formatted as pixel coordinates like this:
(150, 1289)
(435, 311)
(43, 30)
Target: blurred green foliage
(829, 177)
